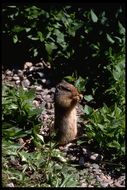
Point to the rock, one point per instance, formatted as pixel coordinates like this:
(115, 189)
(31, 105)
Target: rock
(17, 82)
(3, 76)
(24, 88)
(96, 166)
(83, 184)
(48, 105)
(47, 97)
(43, 81)
(15, 77)
(39, 88)
(96, 157)
(90, 186)
(52, 90)
(26, 83)
(40, 64)
(98, 178)
(36, 103)
(97, 171)
(39, 97)
(10, 185)
(8, 72)
(27, 65)
(103, 177)
(87, 164)
(40, 74)
(93, 181)
(84, 151)
(20, 73)
(31, 69)
(104, 184)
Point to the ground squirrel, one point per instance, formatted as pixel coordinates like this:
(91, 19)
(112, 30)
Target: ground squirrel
(66, 98)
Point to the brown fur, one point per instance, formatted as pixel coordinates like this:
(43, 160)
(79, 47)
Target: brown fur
(66, 98)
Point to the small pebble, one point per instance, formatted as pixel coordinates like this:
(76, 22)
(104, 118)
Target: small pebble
(17, 82)
(104, 184)
(20, 73)
(39, 64)
(40, 74)
(26, 83)
(39, 97)
(39, 88)
(83, 184)
(31, 69)
(48, 105)
(10, 185)
(36, 103)
(96, 166)
(43, 81)
(8, 72)
(98, 178)
(90, 186)
(15, 78)
(96, 156)
(3, 76)
(28, 65)
(84, 151)
(52, 90)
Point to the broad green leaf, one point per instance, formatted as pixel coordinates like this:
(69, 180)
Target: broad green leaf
(50, 47)
(93, 16)
(88, 98)
(88, 110)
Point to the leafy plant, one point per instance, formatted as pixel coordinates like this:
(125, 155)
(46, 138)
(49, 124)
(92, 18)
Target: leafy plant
(26, 159)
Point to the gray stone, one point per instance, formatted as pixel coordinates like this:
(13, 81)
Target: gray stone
(26, 83)
(17, 82)
(43, 81)
(104, 184)
(39, 88)
(15, 78)
(28, 65)
(8, 72)
(40, 74)
(96, 166)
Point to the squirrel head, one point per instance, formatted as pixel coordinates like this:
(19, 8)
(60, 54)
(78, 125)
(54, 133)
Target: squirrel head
(66, 95)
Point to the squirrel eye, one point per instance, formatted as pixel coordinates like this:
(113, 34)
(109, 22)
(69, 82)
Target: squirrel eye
(64, 88)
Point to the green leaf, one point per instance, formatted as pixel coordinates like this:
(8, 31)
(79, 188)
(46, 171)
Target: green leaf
(41, 36)
(110, 39)
(100, 126)
(41, 137)
(50, 47)
(121, 28)
(93, 16)
(116, 75)
(88, 98)
(114, 144)
(15, 39)
(88, 110)
(23, 156)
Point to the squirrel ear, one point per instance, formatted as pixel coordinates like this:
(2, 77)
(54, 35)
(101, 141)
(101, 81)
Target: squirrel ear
(63, 80)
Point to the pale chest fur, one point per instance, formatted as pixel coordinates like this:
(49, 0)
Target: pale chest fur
(67, 126)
